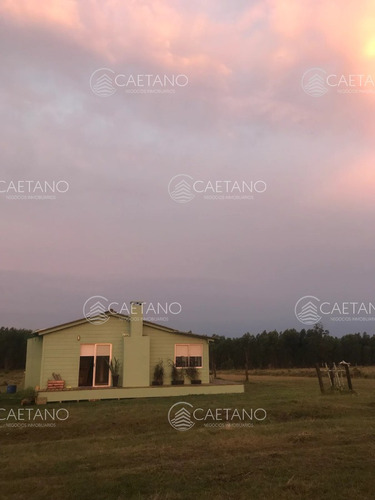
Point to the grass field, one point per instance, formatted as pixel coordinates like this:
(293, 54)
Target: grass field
(309, 447)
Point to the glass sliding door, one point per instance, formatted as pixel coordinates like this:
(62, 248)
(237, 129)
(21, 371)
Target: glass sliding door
(86, 365)
(93, 365)
(101, 368)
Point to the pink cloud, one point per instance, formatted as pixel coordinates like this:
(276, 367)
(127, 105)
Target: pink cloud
(54, 13)
(352, 187)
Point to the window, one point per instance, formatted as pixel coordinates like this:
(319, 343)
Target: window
(188, 355)
(93, 366)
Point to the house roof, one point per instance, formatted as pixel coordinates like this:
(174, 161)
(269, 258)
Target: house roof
(125, 317)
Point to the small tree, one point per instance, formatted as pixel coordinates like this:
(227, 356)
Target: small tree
(114, 367)
(193, 374)
(177, 375)
(247, 342)
(159, 373)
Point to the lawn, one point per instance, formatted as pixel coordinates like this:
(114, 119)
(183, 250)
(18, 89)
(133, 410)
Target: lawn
(309, 447)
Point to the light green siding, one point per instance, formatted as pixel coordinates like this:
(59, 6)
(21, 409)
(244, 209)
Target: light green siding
(136, 361)
(61, 349)
(33, 362)
(59, 352)
(163, 348)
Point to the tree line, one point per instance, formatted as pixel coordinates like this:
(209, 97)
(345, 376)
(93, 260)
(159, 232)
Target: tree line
(13, 348)
(287, 349)
(291, 349)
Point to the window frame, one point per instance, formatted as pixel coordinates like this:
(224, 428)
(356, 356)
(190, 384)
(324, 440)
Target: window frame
(188, 356)
(95, 345)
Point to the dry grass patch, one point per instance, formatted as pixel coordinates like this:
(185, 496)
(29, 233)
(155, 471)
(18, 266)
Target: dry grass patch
(309, 447)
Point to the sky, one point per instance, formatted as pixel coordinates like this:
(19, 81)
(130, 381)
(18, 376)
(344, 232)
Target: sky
(279, 93)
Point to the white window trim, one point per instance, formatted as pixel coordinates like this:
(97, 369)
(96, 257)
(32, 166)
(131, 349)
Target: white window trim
(188, 345)
(94, 370)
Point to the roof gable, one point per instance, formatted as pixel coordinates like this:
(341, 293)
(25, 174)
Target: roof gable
(114, 314)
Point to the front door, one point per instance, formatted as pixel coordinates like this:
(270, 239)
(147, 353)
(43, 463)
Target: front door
(93, 365)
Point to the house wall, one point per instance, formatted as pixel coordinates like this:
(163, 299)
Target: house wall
(136, 368)
(138, 355)
(61, 349)
(162, 347)
(33, 361)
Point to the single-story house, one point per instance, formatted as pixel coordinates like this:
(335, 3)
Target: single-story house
(80, 353)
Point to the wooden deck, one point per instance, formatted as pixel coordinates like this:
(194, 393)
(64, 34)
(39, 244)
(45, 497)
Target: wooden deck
(93, 394)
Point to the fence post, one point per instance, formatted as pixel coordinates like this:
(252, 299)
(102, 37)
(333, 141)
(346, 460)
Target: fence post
(346, 366)
(319, 378)
(331, 377)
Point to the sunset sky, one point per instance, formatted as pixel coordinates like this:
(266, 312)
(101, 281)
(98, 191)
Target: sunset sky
(244, 115)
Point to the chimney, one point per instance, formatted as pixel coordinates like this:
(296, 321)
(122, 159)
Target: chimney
(136, 319)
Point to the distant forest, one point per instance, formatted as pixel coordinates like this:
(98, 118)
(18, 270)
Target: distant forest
(13, 348)
(288, 349)
(291, 349)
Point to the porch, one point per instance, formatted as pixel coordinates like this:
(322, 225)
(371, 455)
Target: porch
(97, 393)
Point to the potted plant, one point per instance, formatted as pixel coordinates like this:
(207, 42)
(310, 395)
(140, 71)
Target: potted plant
(158, 374)
(114, 367)
(177, 375)
(193, 374)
